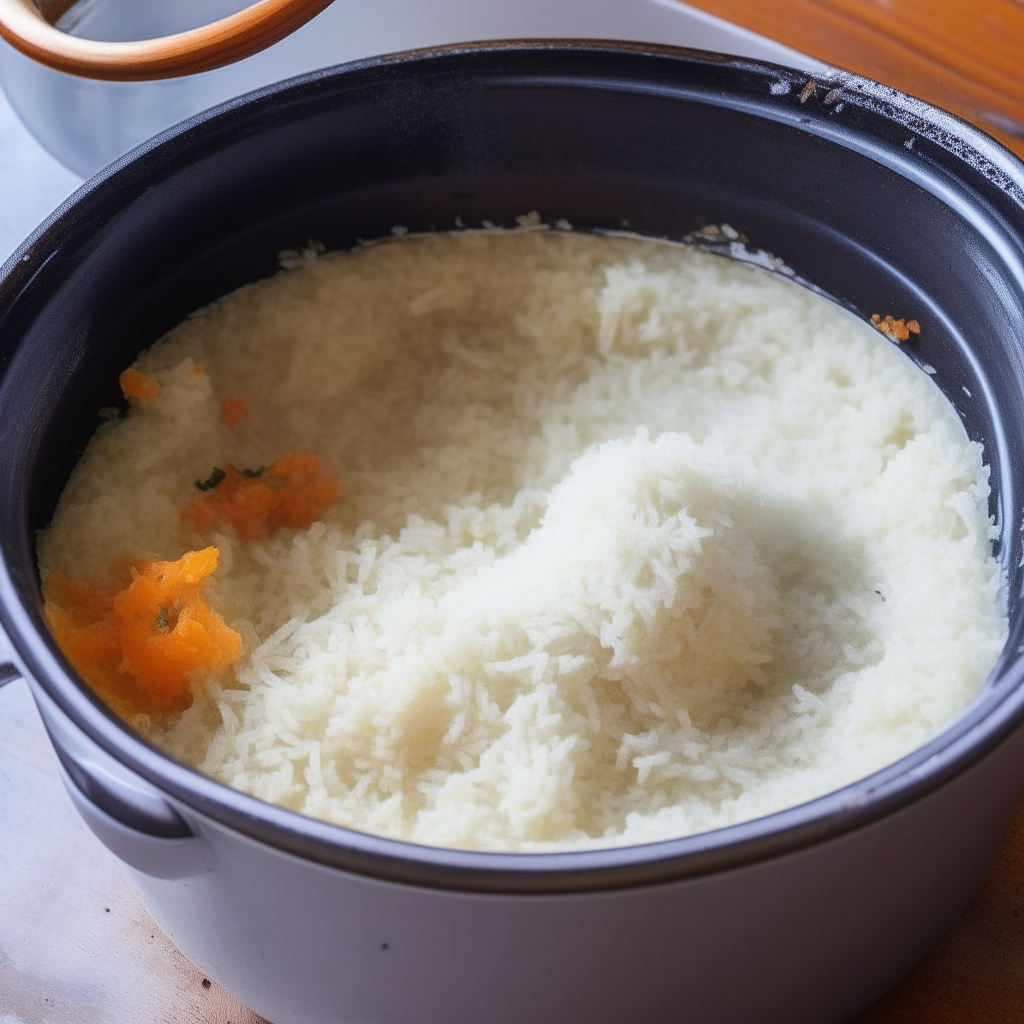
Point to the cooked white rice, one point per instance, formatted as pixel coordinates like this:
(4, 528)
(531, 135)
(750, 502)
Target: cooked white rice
(636, 541)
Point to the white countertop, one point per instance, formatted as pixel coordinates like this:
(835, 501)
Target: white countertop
(76, 944)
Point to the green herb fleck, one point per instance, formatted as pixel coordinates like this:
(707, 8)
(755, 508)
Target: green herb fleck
(252, 473)
(215, 478)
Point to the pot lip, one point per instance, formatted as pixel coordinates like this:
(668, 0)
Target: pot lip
(990, 718)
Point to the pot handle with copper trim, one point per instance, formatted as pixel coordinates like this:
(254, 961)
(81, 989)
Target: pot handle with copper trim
(24, 26)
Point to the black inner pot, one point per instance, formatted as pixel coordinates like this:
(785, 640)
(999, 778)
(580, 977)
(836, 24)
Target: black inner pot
(883, 203)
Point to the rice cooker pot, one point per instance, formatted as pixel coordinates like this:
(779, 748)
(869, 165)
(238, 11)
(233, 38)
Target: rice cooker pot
(886, 204)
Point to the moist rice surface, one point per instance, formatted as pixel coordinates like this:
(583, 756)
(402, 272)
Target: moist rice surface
(636, 541)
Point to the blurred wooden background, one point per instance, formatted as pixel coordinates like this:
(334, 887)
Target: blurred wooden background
(964, 55)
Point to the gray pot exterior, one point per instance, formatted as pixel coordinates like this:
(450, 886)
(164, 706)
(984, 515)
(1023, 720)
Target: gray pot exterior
(810, 937)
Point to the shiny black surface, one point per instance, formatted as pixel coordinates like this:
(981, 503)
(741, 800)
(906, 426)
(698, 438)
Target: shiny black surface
(879, 201)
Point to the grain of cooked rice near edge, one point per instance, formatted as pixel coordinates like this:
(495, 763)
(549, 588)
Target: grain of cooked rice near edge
(627, 541)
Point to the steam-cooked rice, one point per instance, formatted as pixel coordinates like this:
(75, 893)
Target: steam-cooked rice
(636, 541)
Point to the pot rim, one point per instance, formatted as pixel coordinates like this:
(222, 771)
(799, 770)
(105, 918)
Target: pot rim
(988, 720)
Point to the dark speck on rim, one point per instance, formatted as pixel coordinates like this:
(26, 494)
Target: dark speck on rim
(206, 982)
(385, 945)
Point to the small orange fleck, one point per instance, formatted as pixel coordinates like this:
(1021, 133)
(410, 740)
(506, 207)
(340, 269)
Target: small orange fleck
(898, 330)
(233, 410)
(138, 386)
(140, 647)
(197, 370)
(294, 491)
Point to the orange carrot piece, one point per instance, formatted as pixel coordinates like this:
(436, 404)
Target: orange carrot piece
(898, 330)
(138, 386)
(294, 491)
(233, 410)
(141, 648)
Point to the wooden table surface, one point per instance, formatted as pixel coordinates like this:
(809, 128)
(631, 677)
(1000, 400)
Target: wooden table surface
(966, 56)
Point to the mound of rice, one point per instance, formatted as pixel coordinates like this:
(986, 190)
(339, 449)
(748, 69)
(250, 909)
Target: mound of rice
(636, 541)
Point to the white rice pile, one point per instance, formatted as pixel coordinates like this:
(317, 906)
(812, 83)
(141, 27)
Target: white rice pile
(636, 541)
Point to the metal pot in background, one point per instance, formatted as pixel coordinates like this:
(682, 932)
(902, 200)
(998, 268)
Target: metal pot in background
(87, 123)
(802, 917)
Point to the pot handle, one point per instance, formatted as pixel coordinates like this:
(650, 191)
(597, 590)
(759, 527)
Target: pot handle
(240, 35)
(181, 855)
(9, 669)
(127, 814)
